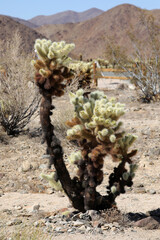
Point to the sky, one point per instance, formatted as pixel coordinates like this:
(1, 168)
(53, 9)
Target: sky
(27, 9)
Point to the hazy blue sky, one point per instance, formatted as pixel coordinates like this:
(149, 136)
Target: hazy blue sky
(27, 9)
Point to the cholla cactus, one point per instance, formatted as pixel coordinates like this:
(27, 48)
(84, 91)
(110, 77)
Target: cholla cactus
(96, 126)
(81, 67)
(83, 72)
(52, 65)
(103, 63)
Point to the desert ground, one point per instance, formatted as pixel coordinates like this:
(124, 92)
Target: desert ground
(30, 209)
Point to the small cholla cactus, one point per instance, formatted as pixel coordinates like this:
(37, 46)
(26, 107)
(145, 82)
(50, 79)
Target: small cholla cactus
(83, 71)
(51, 65)
(81, 67)
(96, 127)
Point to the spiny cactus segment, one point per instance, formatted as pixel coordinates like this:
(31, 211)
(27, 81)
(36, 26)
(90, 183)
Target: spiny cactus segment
(75, 157)
(51, 65)
(55, 51)
(97, 117)
(56, 185)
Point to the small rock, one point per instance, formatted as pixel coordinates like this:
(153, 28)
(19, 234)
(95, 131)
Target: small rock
(49, 190)
(36, 224)
(140, 190)
(137, 109)
(17, 221)
(99, 230)
(78, 223)
(70, 230)
(58, 229)
(43, 166)
(26, 166)
(146, 131)
(20, 169)
(132, 87)
(34, 165)
(149, 223)
(113, 229)
(152, 191)
(105, 227)
(14, 222)
(8, 211)
(151, 163)
(139, 185)
(60, 194)
(96, 224)
(36, 208)
(88, 229)
(9, 223)
(18, 207)
(95, 216)
(116, 224)
(44, 156)
(63, 210)
(82, 228)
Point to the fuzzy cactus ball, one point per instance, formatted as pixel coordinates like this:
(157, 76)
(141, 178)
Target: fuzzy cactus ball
(98, 116)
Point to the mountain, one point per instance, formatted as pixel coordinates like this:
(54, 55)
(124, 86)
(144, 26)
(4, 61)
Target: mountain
(90, 37)
(66, 17)
(24, 22)
(8, 26)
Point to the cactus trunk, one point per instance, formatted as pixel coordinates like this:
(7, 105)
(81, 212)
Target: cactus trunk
(56, 154)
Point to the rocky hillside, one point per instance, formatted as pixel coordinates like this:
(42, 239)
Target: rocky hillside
(8, 26)
(91, 36)
(66, 17)
(24, 22)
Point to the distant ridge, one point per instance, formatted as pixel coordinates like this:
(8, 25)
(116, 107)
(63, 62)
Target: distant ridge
(8, 26)
(90, 37)
(66, 17)
(25, 22)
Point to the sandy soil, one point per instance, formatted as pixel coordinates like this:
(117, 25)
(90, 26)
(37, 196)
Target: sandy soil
(22, 190)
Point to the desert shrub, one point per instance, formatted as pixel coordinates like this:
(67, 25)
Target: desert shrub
(19, 99)
(95, 126)
(143, 66)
